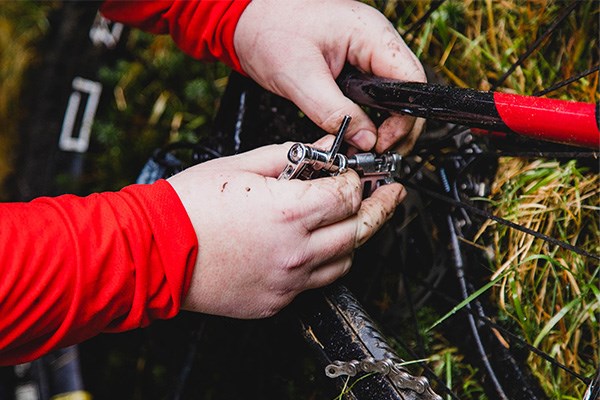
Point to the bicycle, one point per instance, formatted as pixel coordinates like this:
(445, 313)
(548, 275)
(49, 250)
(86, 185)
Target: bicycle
(345, 326)
(430, 282)
(228, 143)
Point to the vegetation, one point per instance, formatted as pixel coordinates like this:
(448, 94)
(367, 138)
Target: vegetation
(160, 96)
(548, 295)
(21, 26)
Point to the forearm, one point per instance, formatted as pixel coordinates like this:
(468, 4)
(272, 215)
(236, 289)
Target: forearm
(73, 267)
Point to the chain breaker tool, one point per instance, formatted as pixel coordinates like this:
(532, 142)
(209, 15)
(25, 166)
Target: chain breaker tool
(309, 162)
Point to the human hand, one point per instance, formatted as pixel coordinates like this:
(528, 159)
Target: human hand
(262, 241)
(296, 49)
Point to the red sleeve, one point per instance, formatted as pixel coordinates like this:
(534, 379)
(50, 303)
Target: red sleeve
(202, 28)
(73, 267)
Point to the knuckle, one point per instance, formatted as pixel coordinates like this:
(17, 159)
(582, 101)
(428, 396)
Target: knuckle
(294, 261)
(354, 191)
(347, 264)
(291, 214)
(345, 192)
(277, 300)
(269, 310)
(288, 213)
(372, 217)
(362, 233)
(333, 118)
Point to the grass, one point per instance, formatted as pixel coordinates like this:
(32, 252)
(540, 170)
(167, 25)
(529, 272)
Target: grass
(160, 95)
(472, 43)
(549, 296)
(22, 24)
(347, 388)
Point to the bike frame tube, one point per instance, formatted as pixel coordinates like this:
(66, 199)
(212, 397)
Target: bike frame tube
(549, 119)
(539, 118)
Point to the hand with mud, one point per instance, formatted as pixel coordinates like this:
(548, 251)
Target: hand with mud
(262, 241)
(296, 49)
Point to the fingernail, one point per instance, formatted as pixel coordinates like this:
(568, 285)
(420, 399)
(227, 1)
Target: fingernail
(364, 139)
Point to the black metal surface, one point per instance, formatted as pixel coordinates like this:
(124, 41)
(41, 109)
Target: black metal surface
(445, 103)
(250, 117)
(593, 391)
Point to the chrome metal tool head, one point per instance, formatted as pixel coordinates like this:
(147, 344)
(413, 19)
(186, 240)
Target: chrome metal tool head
(309, 162)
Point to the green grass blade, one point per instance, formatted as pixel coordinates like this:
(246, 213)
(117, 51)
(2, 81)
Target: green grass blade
(466, 301)
(554, 320)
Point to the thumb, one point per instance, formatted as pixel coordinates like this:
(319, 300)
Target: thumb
(314, 90)
(268, 160)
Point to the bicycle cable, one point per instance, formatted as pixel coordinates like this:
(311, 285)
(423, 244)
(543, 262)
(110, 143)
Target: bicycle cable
(500, 220)
(572, 79)
(486, 320)
(537, 43)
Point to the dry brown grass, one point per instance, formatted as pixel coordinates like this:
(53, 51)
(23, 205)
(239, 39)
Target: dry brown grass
(550, 295)
(21, 25)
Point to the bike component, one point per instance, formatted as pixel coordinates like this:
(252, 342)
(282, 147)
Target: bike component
(375, 171)
(593, 390)
(306, 160)
(338, 327)
(387, 367)
(535, 117)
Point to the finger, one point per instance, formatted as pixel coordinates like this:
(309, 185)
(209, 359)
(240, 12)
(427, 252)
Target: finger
(385, 55)
(266, 161)
(320, 202)
(376, 210)
(397, 128)
(388, 56)
(394, 129)
(325, 142)
(329, 272)
(314, 90)
(406, 144)
(344, 236)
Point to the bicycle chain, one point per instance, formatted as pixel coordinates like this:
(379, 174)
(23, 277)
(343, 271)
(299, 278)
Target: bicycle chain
(395, 370)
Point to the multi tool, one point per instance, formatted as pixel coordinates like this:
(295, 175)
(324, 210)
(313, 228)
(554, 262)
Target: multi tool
(309, 162)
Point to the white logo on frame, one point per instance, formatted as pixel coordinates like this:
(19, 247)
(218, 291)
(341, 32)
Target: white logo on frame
(105, 32)
(79, 141)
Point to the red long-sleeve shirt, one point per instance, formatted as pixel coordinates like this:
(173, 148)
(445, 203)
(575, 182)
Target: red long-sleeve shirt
(203, 28)
(73, 267)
